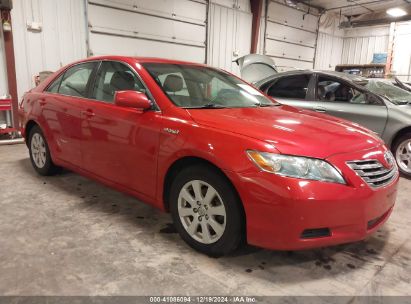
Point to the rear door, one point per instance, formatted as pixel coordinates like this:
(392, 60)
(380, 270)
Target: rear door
(120, 144)
(61, 108)
(342, 99)
(295, 90)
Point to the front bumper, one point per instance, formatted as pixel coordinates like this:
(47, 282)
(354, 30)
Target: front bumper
(280, 210)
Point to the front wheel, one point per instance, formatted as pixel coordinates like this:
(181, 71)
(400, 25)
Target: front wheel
(402, 152)
(206, 211)
(40, 153)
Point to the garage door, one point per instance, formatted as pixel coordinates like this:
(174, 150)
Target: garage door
(174, 29)
(290, 36)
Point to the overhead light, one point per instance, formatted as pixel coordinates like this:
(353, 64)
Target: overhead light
(396, 12)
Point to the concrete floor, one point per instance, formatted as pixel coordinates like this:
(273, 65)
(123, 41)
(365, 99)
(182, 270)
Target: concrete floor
(67, 235)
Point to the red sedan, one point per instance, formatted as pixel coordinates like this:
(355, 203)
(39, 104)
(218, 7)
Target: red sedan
(230, 164)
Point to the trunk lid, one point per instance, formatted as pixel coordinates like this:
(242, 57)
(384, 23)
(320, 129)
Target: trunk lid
(255, 67)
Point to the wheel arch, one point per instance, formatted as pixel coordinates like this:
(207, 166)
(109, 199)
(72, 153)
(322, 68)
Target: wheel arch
(400, 133)
(187, 161)
(29, 126)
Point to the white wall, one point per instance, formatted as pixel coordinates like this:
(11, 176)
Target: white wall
(290, 35)
(329, 43)
(61, 41)
(361, 43)
(401, 63)
(174, 29)
(229, 33)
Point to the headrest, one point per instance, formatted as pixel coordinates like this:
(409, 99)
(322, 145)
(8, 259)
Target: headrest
(173, 83)
(321, 91)
(122, 81)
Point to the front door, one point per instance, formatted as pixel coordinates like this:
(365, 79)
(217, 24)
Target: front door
(120, 144)
(339, 98)
(62, 111)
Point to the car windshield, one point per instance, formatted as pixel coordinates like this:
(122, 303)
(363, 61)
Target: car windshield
(190, 86)
(394, 94)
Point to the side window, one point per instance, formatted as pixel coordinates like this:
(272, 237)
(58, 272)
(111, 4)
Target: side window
(330, 89)
(55, 85)
(112, 77)
(290, 87)
(75, 79)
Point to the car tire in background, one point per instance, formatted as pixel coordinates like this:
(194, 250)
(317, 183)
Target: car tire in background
(40, 153)
(402, 153)
(207, 211)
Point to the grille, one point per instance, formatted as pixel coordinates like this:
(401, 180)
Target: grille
(373, 172)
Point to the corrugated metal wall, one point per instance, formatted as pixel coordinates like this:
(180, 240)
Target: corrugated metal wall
(329, 43)
(61, 40)
(229, 33)
(290, 36)
(401, 64)
(63, 36)
(361, 43)
(174, 29)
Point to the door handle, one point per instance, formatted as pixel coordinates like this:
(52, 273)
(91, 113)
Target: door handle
(320, 109)
(88, 113)
(42, 102)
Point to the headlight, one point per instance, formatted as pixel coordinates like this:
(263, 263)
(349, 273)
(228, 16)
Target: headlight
(295, 166)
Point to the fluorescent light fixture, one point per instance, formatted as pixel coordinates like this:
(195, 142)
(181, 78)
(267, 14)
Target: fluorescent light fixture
(396, 12)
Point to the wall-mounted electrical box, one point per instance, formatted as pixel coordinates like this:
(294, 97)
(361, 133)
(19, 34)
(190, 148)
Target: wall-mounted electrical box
(34, 26)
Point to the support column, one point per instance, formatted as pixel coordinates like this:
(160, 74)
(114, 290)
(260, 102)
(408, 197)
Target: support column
(10, 66)
(256, 9)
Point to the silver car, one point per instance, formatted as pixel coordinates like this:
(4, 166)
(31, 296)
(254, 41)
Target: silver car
(376, 104)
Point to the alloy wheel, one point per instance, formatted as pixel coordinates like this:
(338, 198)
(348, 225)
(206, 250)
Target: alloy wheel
(38, 150)
(403, 156)
(202, 212)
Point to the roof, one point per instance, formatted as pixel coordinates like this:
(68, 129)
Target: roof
(142, 60)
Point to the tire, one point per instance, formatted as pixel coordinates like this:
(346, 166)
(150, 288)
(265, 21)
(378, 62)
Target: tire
(220, 214)
(402, 154)
(40, 153)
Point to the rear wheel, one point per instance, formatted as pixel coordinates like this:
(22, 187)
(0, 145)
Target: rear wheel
(40, 153)
(402, 152)
(206, 210)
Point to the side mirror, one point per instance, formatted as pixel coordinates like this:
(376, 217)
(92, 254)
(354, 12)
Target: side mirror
(132, 99)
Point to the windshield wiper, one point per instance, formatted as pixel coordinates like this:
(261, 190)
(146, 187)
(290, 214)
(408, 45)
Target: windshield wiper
(262, 105)
(208, 106)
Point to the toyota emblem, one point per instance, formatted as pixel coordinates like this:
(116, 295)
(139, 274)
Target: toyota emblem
(389, 159)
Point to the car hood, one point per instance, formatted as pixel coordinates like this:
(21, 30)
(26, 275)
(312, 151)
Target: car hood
(292, 131)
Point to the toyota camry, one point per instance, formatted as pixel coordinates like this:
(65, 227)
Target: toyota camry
(228, 162)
